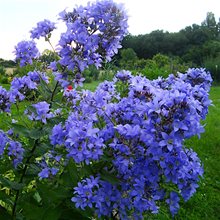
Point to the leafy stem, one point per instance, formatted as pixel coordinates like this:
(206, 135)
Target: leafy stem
(48, 40)
(53, 93)
(27, 162)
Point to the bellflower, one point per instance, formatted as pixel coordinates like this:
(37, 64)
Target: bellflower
(26, 52)
(4, 140)
(144, 129)
(42, 112)
(43, 29)
(15, 150)
(5, 103)
(50, 164)
(94, 33)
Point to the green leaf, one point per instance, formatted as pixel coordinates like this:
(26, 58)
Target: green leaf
(6, 198)
(73, 172)
(42, 148)
(86, 171)
(111, 178)
(33, 212)
(10, 184)
(45, 87)
(36, 133)
(73, 214)
(4, 214)
(52, 214)
(52, 195)
(20, 129)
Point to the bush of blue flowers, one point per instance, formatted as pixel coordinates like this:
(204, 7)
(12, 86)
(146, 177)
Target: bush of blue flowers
(115, 153)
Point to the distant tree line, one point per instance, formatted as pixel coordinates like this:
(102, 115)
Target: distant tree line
(7, 63)
(196, 45)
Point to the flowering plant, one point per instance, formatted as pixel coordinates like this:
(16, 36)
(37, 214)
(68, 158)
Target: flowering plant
(117, 152)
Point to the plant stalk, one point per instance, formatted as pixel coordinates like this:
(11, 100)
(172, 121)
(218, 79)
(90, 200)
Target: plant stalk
(22, 178)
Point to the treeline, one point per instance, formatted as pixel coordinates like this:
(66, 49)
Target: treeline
(158, 53)
(7, 63)
(196, 45)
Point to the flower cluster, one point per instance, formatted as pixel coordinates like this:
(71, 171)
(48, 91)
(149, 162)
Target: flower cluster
(94, 33)
(25, 52)
(14, 148)
(21, 86)
(49, 165)
(43, 29)
(4, 100)
(141, 128)
(41, 113)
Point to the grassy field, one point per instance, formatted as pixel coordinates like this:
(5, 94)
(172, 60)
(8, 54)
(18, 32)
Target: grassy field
(205, 204)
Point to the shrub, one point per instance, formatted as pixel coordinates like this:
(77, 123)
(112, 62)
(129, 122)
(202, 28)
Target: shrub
(213, 65)
(2, 70)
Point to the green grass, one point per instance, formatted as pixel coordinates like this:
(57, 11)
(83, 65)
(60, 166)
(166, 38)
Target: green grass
(205, 204)
(91, 86)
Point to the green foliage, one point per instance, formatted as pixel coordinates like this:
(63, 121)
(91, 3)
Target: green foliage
(213, 65)
(161, 66)
(3, 76)
(91, 73)
(2, 70)
(22, 71)
(128, 58)
(193, 44)
(7, 63)
(48, 56)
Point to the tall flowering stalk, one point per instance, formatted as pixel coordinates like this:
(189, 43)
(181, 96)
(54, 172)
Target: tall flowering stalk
(117, 152)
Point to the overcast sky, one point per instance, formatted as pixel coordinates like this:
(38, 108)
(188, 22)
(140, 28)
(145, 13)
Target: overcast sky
(17, 17)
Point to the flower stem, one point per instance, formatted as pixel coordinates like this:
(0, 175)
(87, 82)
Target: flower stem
(22, 178)
(53, 93)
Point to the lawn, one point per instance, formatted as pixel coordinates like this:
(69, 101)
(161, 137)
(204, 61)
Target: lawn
(205, 204)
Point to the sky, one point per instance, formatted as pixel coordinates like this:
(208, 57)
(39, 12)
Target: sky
(18, 17)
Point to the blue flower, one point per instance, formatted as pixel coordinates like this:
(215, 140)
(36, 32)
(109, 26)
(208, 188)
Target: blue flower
(173, 202)
(15, 151)
(43, 29)
(42, 112)
(5, 103)
(26, 52)
(4, 140)
(58, 135)
(94, 34)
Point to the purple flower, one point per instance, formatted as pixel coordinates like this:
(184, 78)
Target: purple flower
(15, 151)
(25, 52)
(173, 202)
(123, 75)
(42, 112)
(46, 172)
(53, 66)
(58, 135)
(50, 165)
(43, 29)
(5, 103)
(85, 192)
(78, 81)
(37, 76)
(94, 34)
(144, 132)
(4, 140)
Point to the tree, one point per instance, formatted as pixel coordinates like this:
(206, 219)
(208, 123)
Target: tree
(211, 25)
(128, 58)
